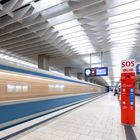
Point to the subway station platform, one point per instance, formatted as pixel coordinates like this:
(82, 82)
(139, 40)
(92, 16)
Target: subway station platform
(98, 119)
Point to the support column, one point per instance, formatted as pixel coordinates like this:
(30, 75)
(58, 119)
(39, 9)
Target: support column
(67, 71)
(79, 76)
(43, 62)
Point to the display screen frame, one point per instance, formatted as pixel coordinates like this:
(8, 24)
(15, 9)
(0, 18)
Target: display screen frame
(94, 71)
(102, 68)
(138, 69)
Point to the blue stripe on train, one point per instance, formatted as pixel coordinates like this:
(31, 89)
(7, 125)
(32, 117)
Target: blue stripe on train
(15, 111)
(23, 71)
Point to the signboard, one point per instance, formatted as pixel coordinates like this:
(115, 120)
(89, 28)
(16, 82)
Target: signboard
(102, 71)
(128, 66)
(138, 69)
(128, 79)
(88, 72)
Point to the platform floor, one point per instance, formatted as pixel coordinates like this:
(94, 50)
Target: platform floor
(97, 120)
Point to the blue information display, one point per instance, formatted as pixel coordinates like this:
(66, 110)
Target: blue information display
(138, 69)
(90, 72)
(131, 96)
(103, 71)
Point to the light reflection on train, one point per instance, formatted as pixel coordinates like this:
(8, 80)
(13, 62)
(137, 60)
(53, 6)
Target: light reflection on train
(21, 85)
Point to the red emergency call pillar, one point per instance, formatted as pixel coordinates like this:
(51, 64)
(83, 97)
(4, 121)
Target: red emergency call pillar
(128, 96)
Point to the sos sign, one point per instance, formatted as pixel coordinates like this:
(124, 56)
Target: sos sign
(128, 66)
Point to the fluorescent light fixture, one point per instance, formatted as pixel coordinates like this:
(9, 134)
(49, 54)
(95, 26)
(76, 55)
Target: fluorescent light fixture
(124, 8)
(85, 50)
(124, 42)
(126, 28)
(124, 16)
(81, 48)
(82, 45)
(67, 24)
(79, 42)
(120, 46)
(43, 4)
(71, 30)
(82, 53)
(124, 23)
(128, 37)
(132, 32)
(77, 39)
(122, 49)
(72, 35)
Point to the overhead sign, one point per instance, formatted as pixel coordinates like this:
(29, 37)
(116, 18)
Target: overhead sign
(138, 69)
(128, 66)
(88, 72)
(102, 71)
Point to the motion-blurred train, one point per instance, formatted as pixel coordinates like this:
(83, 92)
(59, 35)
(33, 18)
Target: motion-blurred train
(18, 82)
(28, 93)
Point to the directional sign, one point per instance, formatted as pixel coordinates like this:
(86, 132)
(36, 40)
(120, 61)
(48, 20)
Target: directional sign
(138, 69)
(90, 72)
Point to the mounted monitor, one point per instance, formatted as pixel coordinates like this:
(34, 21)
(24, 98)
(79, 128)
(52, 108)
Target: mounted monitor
(138, 69)
(91, 72)
(103, 71)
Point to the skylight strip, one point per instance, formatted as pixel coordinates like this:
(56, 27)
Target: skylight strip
(128, 37)
(77, 39)
(124, 42)
(82, 45)
(124, 8)
(132, 32)
(77, 34)
(125, 28)
(124, 16)
(67, 25)
(84, 53)
(71, 30)
(79, 42)
(135, 31)
(83, 49)
(124, 23)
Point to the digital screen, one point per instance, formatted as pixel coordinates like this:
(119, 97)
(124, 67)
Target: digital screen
(138, 69)
(90, 72)
(103, 71)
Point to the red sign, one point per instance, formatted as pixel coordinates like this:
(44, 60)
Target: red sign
(128, 92)
(128, 66)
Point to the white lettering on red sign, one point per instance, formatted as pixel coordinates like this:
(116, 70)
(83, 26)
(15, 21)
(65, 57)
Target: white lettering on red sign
(128, 66)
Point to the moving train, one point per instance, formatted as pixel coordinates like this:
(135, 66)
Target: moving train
(18, 82)
(27, 93)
